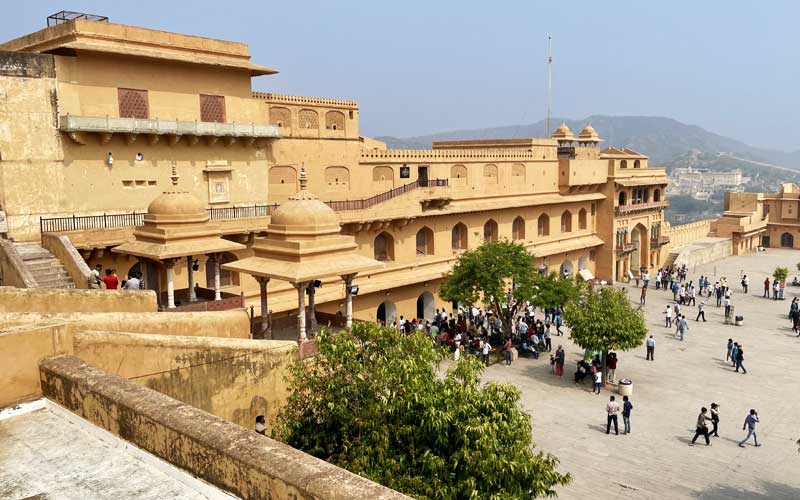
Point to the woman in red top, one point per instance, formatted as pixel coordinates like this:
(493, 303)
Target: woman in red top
(110, 280)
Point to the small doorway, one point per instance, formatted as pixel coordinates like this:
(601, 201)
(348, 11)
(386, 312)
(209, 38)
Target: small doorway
(422, 175)
(765, 241)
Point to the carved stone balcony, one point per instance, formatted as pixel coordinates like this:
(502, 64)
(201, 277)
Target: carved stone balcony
(659, 241)
(79, 129)
(625, 249)
(640, 207)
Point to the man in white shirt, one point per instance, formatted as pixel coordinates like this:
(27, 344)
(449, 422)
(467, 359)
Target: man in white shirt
(612, 408)
(668, 316)
(598, 381)
(651, 347)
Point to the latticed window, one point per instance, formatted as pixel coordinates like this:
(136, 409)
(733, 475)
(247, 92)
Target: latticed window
(308, 118)
(133, 104)
(212, 108)
(281, 117)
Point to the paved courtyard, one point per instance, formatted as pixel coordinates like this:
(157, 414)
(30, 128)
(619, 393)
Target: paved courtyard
(654, 461)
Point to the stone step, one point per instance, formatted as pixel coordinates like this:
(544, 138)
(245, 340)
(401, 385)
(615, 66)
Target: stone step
(32, 252)
(54, 282)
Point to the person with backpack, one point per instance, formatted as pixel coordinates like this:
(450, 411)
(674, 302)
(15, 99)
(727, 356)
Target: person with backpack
(740, 360)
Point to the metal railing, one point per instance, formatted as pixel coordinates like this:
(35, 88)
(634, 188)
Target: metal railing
(343, 206)
(110, 221)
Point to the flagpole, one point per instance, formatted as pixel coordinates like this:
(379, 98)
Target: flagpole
(549, 81)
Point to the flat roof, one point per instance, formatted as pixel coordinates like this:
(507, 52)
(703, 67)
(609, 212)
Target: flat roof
(47, 454)
(80, 35)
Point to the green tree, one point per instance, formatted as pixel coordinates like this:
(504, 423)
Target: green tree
(780, 273)
(553, 290)
(487, 274)
(373, 401)
(604, 320)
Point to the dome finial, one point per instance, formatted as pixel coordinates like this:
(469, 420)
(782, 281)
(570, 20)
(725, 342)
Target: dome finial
(303, 180)
(174, 175)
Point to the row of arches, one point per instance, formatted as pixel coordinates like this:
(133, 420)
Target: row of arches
(383, 244)
(624, 164)
(639, 195)
(387, 310)
(306, 118)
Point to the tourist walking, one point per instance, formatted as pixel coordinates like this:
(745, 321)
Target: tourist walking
(612, 408)
(682, 326)
(507, 350)
(714, 419)
(702, 427)
(774, 289)
(643, 297)
(734, 352)
(750, 424)
(766, 287)
(729, 356)
(560, 361)
(692, 294)
(487, 348)
(701, 313)
(745, 283)
(727, 308)
(740, 359)
(668, 316)
(627, 406)
(718, 293)
(651, 347)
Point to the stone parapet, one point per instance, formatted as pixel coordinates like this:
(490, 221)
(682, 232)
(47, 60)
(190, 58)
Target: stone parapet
(224, 454)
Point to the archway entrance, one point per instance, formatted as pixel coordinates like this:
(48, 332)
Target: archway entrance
(387, 313)
(425, 306)
(787, 240)
(566, 269)
(641, 250)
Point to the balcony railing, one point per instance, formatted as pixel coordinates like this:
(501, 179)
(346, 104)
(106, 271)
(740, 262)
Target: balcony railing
(626, 248)
(110, 221)
(659, 241)
(639, 207)
(566, 153)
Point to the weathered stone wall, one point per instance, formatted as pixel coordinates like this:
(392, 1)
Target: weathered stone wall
(224, 454)
(63, 249)
(21, 349)
(12, 270)
(686, 233)
(226, 324)
(42, 300)
(233, 379)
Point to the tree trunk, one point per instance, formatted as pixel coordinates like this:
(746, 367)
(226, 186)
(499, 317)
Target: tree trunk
(605, 366)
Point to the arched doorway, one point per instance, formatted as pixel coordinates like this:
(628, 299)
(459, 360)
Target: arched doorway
(387, 313)
(787, 240)
(641, 250)
(566, 270)
(425, 306)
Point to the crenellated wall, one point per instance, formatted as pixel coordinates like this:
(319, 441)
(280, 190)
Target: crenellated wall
(686, 233)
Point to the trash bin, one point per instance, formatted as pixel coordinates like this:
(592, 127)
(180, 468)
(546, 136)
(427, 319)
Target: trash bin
(739, 320)
(625, 387)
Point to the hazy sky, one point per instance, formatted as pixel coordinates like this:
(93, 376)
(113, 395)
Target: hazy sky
(418, 67)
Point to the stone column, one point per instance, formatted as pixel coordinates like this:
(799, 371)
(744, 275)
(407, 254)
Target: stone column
(190, 268)
(170, 263)
(312, 312)
(266, 331)
(217, 291)
(301, 309)
(348, 299)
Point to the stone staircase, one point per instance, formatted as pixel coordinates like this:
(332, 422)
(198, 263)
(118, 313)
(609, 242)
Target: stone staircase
(47, 271)
(670, 259)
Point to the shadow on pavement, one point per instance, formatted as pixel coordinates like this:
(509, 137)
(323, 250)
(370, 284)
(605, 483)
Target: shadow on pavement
(771, 491)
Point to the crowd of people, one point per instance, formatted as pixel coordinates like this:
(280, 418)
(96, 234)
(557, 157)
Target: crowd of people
(110, 281)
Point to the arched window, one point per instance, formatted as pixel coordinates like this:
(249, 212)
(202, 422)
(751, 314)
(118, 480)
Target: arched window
(490, 231)
(490, 174)
(636, 164)
(384, 247)
(458, 172)
(518, 229)
(582, 219)
(566, 222)
(459, 237)
(281, 117)
(337, 178)
(622, 198)
(646, 196)
(308, 118)
(543, 225)
(656, 195)
(787, 240)
(334, 120)
(424, 242)
(623, 164)
(518, 171)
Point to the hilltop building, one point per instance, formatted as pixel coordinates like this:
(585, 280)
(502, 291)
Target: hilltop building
(101, 114)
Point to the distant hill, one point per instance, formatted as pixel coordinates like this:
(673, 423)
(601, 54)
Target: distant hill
(663, 139)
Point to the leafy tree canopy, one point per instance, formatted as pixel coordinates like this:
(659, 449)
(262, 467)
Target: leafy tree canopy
(552, 291)
(780, 273)
(373, 402)
(486, 274)
(603, 319)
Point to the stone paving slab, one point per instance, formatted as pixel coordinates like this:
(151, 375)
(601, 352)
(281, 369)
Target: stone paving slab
(654, 461)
